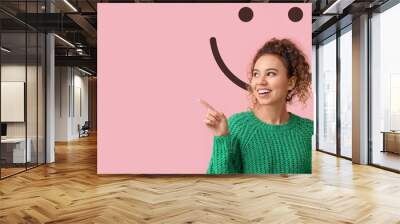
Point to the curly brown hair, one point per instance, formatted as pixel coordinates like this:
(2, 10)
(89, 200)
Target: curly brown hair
(295, 62)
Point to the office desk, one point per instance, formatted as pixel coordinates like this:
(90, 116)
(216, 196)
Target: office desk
(13, 150)
(391, 141)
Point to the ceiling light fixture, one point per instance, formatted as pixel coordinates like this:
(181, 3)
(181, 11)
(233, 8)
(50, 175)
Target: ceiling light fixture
(5, 49)
(65, 41)
(86, 72)
(70, 5)
(337, 7)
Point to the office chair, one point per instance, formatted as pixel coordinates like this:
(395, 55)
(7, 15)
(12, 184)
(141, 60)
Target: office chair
(84, 130)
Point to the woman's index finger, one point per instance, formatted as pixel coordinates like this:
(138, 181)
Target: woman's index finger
(207, 105)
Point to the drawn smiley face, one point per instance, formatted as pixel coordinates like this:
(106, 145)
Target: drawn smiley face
(246, 14)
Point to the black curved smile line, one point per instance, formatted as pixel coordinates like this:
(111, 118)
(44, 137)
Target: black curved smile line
(223, 67)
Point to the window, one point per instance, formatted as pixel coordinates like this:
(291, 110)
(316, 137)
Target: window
(327, 96)
(346, 74)
(385, 89)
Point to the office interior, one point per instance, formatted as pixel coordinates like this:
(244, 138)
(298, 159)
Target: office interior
(49, 72)
(48, 81)
(48, 76)
(356, 84)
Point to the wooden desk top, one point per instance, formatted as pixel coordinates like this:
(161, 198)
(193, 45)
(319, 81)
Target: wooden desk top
(391, 132)
(14, 140)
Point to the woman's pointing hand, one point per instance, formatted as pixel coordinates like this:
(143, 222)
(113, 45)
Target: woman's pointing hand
(216, 121)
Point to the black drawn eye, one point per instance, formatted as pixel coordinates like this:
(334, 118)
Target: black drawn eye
(295, 14)
(246, 14)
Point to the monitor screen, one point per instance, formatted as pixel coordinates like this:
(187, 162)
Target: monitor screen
(3, 129)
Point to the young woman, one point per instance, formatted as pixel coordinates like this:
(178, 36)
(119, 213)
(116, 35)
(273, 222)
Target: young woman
(267, 139)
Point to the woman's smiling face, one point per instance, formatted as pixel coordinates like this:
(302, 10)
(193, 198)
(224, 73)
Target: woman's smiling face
(270, 81)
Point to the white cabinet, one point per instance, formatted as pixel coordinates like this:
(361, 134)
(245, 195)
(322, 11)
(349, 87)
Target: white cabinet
(18, 149)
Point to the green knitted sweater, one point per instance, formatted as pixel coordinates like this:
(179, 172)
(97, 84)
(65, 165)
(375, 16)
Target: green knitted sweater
(255, 147)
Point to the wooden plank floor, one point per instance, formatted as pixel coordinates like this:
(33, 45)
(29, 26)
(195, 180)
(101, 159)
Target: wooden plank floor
(10, 171)
(69, 191)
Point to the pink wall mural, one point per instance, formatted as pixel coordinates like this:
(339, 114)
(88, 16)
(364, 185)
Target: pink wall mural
(155, 61)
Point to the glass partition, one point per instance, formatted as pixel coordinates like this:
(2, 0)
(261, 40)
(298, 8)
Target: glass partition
(22, 77)
(32, 95)
(13, 105)
(41, 109)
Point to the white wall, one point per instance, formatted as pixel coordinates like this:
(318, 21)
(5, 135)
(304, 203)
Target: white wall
(71, 92)
(62, 80)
